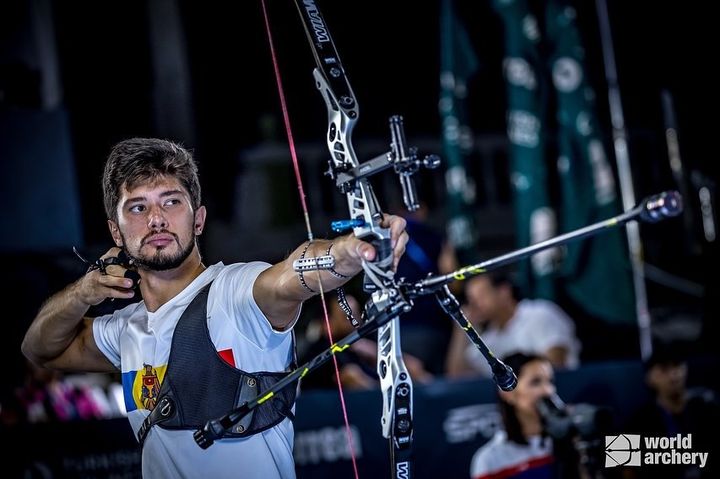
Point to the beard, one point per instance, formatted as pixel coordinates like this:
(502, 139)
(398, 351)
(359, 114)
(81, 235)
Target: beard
(160, 261)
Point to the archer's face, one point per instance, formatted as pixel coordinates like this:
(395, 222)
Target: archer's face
(157, 224)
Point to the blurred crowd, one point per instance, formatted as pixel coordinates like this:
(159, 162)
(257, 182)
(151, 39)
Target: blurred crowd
(47, 395)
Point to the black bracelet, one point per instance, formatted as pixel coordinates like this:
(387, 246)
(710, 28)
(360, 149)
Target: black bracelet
(332, 270)
(300, 273)
(343, 303)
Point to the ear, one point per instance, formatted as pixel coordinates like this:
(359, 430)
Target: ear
(200, 215)
(115, 233)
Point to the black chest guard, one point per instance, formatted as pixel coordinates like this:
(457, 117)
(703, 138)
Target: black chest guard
(199, 385)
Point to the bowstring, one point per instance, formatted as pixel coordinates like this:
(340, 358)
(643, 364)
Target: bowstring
(306, 214)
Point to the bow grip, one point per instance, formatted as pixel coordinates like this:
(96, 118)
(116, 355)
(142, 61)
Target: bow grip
(383, 260)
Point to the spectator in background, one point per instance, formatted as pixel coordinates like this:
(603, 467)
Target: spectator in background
(675, 409)
(522, 448)
(426, 329)
(509, 324)
(357, 365)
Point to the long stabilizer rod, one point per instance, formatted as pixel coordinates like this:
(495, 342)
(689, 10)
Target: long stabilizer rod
(652, 209)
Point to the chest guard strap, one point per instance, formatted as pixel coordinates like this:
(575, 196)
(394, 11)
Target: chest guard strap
(199, 385)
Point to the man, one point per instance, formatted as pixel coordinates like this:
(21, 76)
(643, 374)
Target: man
(509, 325)
(674, 409)
(193, 321)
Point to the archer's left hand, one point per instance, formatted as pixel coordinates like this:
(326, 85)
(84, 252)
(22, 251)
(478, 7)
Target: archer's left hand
(352, 251)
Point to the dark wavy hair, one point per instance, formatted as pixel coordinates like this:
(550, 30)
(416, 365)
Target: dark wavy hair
(501, 278)
(509, 416)
(139, 160)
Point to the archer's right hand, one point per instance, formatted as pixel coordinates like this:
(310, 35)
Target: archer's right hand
(96, 286)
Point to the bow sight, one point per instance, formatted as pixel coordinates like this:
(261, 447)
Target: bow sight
(403, 159)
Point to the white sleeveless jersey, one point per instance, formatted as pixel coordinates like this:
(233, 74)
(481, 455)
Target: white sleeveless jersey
(138, 343)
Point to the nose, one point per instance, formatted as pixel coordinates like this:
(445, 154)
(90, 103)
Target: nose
(156, 219)
(549, 389)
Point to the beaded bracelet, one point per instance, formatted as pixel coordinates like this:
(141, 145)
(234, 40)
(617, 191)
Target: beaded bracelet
(332, 270)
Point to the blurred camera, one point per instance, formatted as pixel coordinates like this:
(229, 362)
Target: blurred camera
(578, 420)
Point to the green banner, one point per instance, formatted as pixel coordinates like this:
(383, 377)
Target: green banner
(561, 176)
(527, 103)
(595, 272)
(458, 64)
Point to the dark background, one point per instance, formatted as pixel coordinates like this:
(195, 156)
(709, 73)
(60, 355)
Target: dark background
(107, 65)
(76, 77)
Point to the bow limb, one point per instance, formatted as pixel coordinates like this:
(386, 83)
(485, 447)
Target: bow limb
(363, 206)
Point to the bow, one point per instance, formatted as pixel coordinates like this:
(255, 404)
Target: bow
(351, 179)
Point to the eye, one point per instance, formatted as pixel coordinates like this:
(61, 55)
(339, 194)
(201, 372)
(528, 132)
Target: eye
(137, 208)
(172, 201)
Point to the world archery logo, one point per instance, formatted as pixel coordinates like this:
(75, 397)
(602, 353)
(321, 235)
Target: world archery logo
(622, 450)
